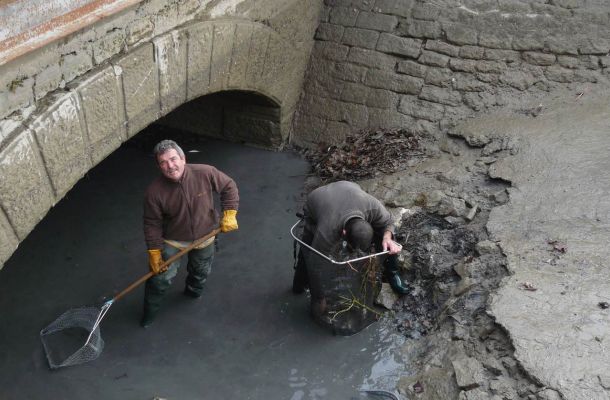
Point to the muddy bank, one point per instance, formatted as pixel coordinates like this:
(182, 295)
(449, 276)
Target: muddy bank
(503, 223)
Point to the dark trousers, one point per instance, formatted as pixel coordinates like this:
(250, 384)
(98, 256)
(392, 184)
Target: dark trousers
(199, 267)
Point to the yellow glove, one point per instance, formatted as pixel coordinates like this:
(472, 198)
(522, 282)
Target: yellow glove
(155, 260)
(229, 221)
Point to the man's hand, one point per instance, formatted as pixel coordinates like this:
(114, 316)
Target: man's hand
(155, 260)
(229, 221)
(387, 244)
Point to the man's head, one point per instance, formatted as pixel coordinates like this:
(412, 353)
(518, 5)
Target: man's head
(359, 234)
(170, 159)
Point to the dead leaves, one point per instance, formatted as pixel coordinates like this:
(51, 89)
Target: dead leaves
(365, 154)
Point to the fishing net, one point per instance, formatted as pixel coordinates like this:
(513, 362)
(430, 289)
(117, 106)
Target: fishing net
(343, 295)
(63, 339)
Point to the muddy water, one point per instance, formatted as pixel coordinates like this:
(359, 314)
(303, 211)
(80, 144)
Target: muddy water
(248, 337)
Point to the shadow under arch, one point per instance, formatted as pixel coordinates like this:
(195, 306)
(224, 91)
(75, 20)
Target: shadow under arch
(241, 116)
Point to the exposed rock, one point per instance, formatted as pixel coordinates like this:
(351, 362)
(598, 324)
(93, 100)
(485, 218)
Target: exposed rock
(469, 372)
(486, 247)
(386, 296)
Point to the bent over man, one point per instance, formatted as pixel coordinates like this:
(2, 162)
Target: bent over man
(179, 209)
(342, 211)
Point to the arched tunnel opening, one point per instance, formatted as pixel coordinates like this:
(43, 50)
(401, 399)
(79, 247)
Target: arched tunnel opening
(237, 116)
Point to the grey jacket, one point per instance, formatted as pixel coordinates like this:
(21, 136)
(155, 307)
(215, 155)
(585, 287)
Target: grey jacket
(329, 207)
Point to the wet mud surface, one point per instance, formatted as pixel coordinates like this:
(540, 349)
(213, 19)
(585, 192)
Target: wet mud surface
(248, 337)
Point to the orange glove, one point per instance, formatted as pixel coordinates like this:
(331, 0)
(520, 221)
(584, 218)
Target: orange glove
(228, 221)
(155, 260)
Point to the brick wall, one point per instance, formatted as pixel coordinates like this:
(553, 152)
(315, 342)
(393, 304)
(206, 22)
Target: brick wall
(424, 65)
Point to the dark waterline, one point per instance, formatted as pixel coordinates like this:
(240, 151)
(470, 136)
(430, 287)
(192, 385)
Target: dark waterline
(248, 337)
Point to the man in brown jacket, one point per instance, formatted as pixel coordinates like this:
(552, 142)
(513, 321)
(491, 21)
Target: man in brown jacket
(179, 209)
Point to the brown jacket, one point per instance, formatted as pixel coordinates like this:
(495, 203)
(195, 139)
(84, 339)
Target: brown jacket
(185, 210)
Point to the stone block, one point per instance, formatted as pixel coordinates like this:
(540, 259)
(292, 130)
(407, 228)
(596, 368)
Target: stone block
(500, 39)
(433, 59)
(356, 115)
(440, 95)
(371, 59)
(200, 55)
(47, 80)
(439, 46)
(336, 131)
(561, 45)
(102, 104)
(379, 22)
(428, 12)
(568, 62)
(391, 81)
(400, 8)
(16, 94)
(141, 88)
(468, 83)
(509, 56)
(381, 98)
(138, 30)
(490, 67)
(421, 109)
(354, 93)
(108, 45)
(350, 72)
(171, 56)
(76, 64)
(441, 77)
(457, 64)
(528, 43)
(222, 49)
(472, 52)
(8, 239)
(343, 16)
(460, 35)
(411, 68)
(387, 118)
(364, 38)
(393, 44)
(331, 51)
(240, 56)
(188, 7)
(63, 142)
(277, 67)
(594, 45)
(329, 32)
(420, 29)
(535, 58)
(25, 191)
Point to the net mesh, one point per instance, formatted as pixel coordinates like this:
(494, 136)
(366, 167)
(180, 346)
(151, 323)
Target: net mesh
(74, 337)
(343, 295)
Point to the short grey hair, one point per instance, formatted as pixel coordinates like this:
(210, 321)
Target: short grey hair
(166, 145)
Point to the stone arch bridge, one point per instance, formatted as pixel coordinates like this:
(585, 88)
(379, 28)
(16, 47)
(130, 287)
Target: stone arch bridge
(88, 78)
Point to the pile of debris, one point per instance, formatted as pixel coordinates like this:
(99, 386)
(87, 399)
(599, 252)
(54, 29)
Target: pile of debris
(365, 154)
